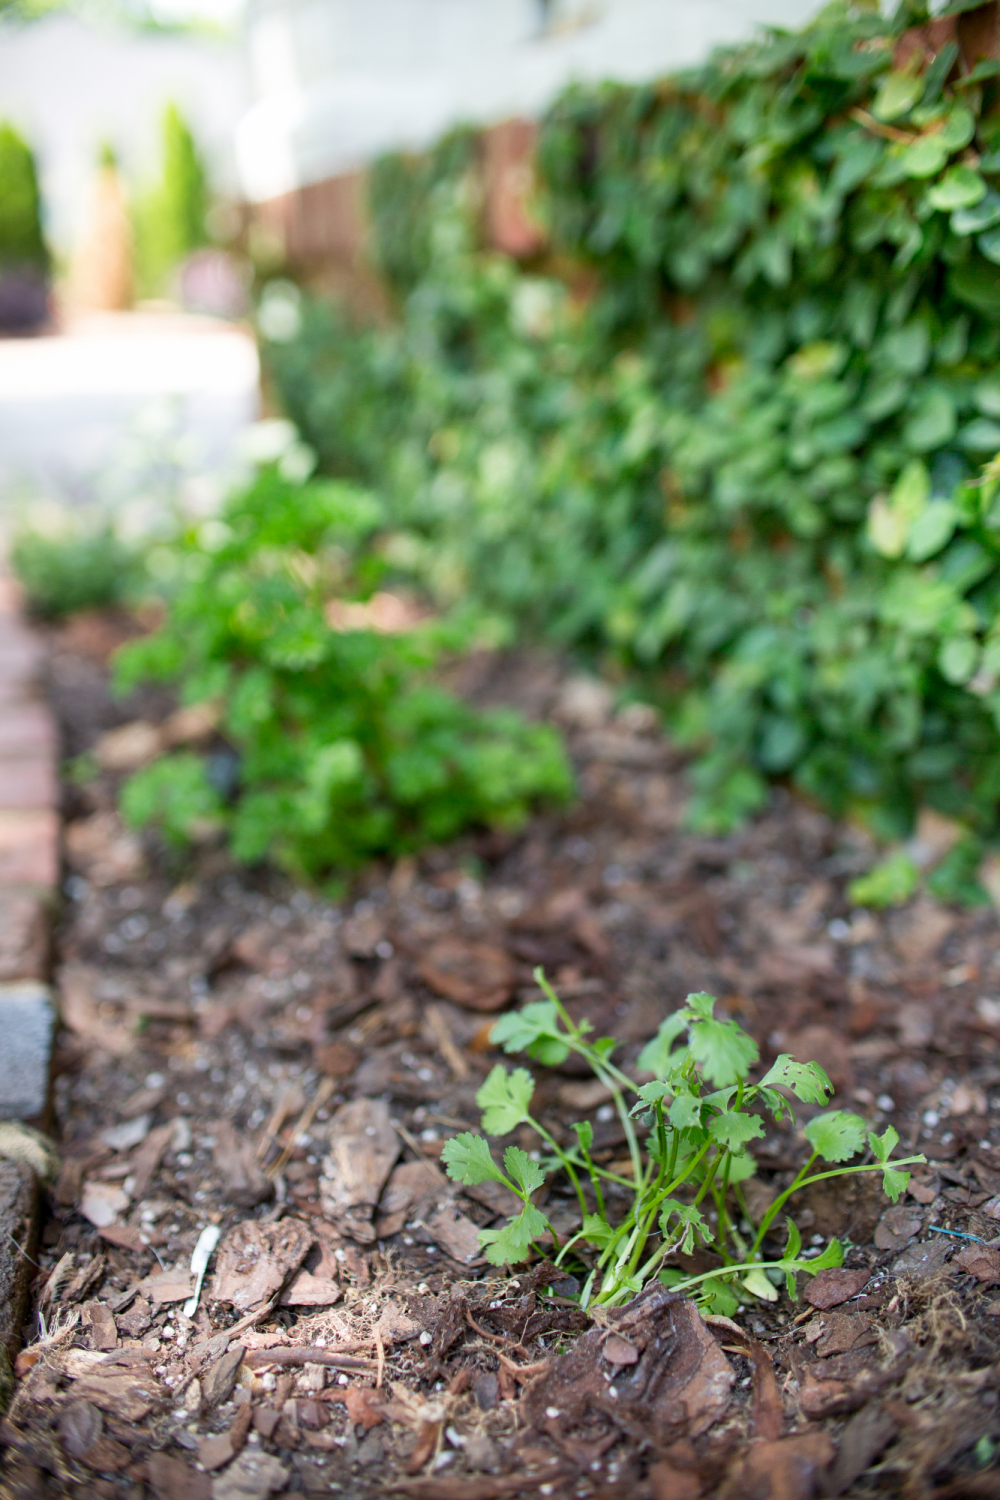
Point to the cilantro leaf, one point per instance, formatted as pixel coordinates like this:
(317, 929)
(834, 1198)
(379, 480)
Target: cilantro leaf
(832, 1256)
(504, 1099)
(467, 1159)
(701, 1004)
(685, 1112)
(656, 1056)
(597, 1231)
(808, 1081)
(513, 1242)
(883, 1145)
(837, 1135)
(584, 1132)
(894, 1182)
(723, 1051)
(526, 1173)
(718, 1296)
(689, 1219)
(533, 1029)
(734, 1128)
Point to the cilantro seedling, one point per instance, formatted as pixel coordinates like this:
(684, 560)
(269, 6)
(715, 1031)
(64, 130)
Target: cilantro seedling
(688, 1134)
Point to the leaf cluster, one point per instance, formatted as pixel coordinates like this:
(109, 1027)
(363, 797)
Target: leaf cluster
(335, 743)
(728, 435)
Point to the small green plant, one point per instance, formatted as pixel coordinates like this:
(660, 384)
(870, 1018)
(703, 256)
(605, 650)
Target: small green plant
(687, 1134)
(73, 565)
(335, 744)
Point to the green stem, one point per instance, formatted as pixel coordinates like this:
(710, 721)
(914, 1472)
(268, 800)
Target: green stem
(567, 1165)
(781, 1200)
(722, 1234)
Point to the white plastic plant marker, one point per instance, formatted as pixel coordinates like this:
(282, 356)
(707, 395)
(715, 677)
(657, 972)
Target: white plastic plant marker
(207, 1241)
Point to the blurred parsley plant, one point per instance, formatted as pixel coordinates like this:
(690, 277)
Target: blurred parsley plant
(335, 743)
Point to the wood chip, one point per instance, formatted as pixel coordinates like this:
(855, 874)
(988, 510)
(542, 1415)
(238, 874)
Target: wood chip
(125, 1394)
(255, 1260)
(363, 1148)
(478, 976)
(618, 1351)
(455, 1234)
(167, 1287)
(307, 1290)
(980, 1261)
(218, 1380)
(830, 1288)
(147, 1157)
(171, 1479)
(99, 1320)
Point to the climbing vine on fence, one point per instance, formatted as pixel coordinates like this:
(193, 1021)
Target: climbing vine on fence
(728, 434)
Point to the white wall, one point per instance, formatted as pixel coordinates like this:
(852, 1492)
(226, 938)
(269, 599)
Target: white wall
(69, 86)
(338, 81)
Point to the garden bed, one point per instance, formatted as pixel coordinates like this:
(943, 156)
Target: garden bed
(224, 1031)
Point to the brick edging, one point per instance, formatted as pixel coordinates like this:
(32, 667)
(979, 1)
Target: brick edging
(29, 863)
(29, 877)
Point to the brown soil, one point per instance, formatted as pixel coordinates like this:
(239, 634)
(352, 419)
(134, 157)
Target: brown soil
(218, 1019)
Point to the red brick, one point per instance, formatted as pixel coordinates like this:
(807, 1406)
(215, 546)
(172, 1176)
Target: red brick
(27, 781)
(29, 847)
(24, 936)
(27, 728)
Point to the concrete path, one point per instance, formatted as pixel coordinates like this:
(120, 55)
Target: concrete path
(71, 404)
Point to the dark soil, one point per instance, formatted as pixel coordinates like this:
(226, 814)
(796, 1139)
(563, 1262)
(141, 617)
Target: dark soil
(217, 1018)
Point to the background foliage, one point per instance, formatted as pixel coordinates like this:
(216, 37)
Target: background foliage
(21, 239)
(334, 742)
(169, 218)
(727, 434)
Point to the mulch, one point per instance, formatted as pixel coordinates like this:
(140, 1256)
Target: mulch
(272, 1073)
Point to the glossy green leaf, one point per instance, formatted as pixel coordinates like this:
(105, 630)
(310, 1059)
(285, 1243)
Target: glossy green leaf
(982, 215)
(897, 94)
(960, 187)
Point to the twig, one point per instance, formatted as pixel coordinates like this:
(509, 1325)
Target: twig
(269, 1135)
(877, 128)
(307, 1354)
(446, 1044)
(380, 1352)
(242, 1325)
(524, 1373)
(306, 1118)
(416, 1148)
(494, 1338)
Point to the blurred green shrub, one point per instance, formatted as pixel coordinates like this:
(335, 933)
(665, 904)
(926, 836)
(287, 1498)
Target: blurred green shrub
(169, 218)
(729, 439)
(344, 747)
(75, 563)
(21, 240)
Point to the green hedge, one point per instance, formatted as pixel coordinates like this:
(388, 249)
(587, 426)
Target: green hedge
(729, 438)
(21, 240)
